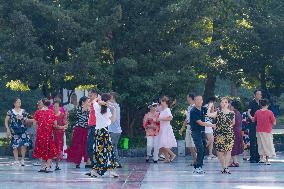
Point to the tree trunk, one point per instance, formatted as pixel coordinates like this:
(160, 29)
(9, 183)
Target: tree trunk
(210, 82)
(234, 89)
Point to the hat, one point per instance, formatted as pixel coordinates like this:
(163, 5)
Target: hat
(151, 104)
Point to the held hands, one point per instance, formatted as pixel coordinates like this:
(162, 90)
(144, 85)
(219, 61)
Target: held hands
(213, 126)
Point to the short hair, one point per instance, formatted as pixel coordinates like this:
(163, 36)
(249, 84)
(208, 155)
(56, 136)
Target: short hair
(264, 102)
(255, 91)
(82, 99)
(46, 102)
(93, 91)
(211, 99)
(113, 95)
(191, 96)
(236, 104)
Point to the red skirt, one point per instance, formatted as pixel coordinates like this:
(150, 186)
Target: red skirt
(78, 148)
(58, 138)
(44, 147)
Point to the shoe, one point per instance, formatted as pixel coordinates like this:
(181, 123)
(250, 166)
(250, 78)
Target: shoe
(267, 163)
(48, 170)
(234, 165)
(199, 171)
(226, 171)
(113, 173)
(155, 161)
(15, 163)
(119, 166)
(37, 164)
(22, 162)
(94, 174)
(262, 161)
(77, 166)
(42, 170)
(89, 166)
(58, 169)
(147, 160)
(245, 159)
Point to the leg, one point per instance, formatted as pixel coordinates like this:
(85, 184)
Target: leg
(222, 160)
(254, 156)
(197, 138)
(172, 155)
(210, 140)
(23, 152)
(166, 154)
(90, 144)
(193, 154)
(16, 154)
(150, 145)
(156, 149)
(115, 140)
(227, 158)
(235, 159)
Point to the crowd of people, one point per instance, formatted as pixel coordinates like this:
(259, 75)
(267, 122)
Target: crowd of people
(210, 129)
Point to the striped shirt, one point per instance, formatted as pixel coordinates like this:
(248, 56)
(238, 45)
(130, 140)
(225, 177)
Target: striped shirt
(81, 117)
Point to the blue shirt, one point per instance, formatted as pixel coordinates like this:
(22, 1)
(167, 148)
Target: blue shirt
(115, 126)
(195, 115)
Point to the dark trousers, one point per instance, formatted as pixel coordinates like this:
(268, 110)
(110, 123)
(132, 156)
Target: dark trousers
(254, 156)
(200, 145)
(90, 143)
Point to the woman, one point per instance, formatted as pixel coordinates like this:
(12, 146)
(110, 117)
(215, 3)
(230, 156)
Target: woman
(58, 133)
(15, 123)
(224, 135)
(238, 141)
(152, 128)
(104, 154)
(78, 148)
(45, 148)
(166, 137)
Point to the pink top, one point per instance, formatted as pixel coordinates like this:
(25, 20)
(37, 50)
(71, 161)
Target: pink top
(148, 122)
(92, 116)
(264, 120)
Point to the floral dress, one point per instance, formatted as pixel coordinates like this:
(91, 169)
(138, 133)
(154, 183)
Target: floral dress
(44, 145)
(19, 134)
(224, 134)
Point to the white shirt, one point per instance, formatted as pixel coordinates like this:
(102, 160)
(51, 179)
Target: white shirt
(102, 120)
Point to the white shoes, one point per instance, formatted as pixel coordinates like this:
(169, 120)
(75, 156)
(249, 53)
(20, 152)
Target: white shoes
(113, 173)
(211, 157)
(15, 163)
(22, 162)
(198, 171)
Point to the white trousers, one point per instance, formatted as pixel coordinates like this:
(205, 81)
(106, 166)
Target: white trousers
(152, 142)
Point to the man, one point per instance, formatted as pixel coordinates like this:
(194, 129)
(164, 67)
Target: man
(115, 128)
(198, 124)
(254, 105)
(93, 94)
(188, 138)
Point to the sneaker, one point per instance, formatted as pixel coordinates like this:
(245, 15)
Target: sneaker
(94, 174)
(113, 173)
(57, 168)
(37, 163)
(211, 157)
(77, 166)
(48, 170)
(22, 162)
(15, 163)
(42, 170)
(199, 171)
(267, 163)
(261, 161)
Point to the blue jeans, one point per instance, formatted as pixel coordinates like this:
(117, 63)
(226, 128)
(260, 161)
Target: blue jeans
(90, 143)
(200, 145)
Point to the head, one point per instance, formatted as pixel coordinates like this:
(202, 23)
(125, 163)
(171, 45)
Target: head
(165, 101)
(211, 100)
(106, 98)
(257, 94)
(235, 105)
(56, 106)
(93, 94)
(198, 101)
(224, 103)
(17, 103)
(113, 97)
(83, 101)
(45, 102)
(74, 99)
(153, 106)
(39, 104)
(264, 103)
(190, 99)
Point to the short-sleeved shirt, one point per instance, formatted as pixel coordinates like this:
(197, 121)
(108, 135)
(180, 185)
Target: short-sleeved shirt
(189, 108)
(254, 106)
(195, 115)
(264, 120)
(103, 120)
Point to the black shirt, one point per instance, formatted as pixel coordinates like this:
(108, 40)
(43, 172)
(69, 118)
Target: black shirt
(254, 106)
(195, 115)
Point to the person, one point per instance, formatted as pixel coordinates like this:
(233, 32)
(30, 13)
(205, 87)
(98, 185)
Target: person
(115, 128)
(45, 148)
(209, 130)
(93, 94)
(238, 140)
(188, 138)
(78, 147)
(253, 107)
(104, 153)
(15, 123)
(152, 129)
(265, 120)
(224, 135)
(198, 124)
(245, 134)
(166, 138)
(58, 133)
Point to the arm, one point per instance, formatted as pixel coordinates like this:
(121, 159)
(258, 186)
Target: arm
(113, 114)
(8, 134)
(169, 118)
(209, 113)
(205, 124)
(249, 115)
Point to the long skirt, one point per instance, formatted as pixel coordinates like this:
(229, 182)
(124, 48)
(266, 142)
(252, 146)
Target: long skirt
(104, 154)
(238, 142)
(265, 144)
(78, 148)
(58, 138)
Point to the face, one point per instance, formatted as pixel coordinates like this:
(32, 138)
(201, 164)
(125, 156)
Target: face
(258, 95)
(112, 99)
(224, 104)
(198, 101)
(56, 107)
(153, 108)
(18, 103)
(40, 104)
(189, 100)
(164, 103)
(92, 96)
